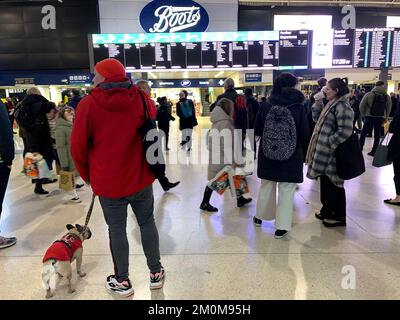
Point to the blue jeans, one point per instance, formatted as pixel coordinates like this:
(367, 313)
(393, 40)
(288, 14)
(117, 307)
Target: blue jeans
(115, 213)
(369, 124)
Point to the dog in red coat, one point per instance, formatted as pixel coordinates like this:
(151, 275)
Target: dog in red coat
(60, 255)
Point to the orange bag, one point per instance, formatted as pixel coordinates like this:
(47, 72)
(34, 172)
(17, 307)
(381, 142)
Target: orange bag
(30, 167)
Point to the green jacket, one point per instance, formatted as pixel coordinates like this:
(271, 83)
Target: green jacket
(368, 101)
(63, 143)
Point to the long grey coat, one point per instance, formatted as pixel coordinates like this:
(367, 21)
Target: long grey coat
(337, 128)
(221, 148)
(63, 143)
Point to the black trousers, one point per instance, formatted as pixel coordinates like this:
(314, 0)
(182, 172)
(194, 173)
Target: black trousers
(4, 176)
(369, 124)
(333, 200)
(166, 132)
(396, 167)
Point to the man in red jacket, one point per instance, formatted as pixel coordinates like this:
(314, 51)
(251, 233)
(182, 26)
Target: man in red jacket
(108, 152)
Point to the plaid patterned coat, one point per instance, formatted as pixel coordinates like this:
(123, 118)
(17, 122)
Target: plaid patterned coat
(328, 134)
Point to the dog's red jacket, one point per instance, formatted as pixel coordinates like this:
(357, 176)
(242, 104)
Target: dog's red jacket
(64, 249)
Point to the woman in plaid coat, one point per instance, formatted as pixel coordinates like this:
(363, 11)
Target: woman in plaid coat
(334, 125)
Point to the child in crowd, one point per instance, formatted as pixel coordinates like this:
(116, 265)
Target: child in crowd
(63, 142)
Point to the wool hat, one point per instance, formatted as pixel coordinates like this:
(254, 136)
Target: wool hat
(110, 68)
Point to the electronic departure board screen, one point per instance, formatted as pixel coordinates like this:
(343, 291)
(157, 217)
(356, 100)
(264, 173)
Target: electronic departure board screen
(209, 54)
(372, 47)
(395, 52)
(294, 47)
(343, 44)
(207, 50)
(193, 55)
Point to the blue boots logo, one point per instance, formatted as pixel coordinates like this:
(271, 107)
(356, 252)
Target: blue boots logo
(174, 16)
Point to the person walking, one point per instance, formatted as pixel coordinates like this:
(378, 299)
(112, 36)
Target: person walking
(282, 151)
(187, 119)
(63, 144)
(163, 119)
(252, 110)
(37, 132)
(222, 149)
(114, 163)
(7, 154)
(394, 156)
(375, 108)
(162, 178)
(334, 125)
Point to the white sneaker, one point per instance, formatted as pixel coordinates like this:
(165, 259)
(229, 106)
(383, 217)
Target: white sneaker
(157, 279)
(75, 200)
(123, 288)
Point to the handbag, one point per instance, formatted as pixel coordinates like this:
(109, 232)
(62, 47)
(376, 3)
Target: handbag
(157, 168)
(349, 158)
(381, 158)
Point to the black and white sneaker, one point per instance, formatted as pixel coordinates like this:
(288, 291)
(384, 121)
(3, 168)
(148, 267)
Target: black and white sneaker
(257, 222)
(123, 288)
(279, 234)
(157, 279)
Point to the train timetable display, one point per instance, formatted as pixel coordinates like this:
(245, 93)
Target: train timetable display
(343, 44)
(372, 47)
(207, 50)
(294, 47)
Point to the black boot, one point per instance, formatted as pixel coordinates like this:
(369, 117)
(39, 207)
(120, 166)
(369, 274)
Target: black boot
(166, 185)
(39, 189)
(241, 201)
(208, 207)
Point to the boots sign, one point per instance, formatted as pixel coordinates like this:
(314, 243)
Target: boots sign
(174, 16)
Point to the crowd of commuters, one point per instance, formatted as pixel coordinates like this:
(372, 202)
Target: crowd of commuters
(82, 138)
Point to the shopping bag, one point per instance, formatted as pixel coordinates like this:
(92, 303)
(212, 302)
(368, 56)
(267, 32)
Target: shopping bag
(381, 154)
(30, 167)
(43, 169)
(222, 181)
(67, 180)
(240, 185)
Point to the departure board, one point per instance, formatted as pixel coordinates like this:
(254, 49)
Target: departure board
(132, 55)
(209, 54)
(178, 55)
(193, 55)
(395, 58)
(207, 50)
(294, 47)
(343, 43)
(372, 47)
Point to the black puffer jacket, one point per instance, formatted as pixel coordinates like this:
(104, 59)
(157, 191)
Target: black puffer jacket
(290, 170)
(38, 137)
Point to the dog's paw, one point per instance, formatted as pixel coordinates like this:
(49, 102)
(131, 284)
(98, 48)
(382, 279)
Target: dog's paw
(82, 274)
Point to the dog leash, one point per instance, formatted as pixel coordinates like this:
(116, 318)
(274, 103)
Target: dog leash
(89, 214)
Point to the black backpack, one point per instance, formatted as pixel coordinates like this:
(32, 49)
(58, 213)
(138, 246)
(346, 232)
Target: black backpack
(23, 116)
(379, 105)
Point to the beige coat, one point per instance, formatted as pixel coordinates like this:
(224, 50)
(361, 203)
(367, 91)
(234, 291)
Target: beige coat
(221, 141)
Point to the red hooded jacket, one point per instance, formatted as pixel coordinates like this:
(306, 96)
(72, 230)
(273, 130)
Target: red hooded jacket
(105, 143)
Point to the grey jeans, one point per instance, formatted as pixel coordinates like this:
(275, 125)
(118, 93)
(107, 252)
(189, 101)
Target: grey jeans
(115, 213)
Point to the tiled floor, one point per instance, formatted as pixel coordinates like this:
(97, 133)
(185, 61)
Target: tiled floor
(216, 256)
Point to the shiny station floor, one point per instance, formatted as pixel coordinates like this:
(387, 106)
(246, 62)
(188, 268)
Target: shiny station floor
(216, 256)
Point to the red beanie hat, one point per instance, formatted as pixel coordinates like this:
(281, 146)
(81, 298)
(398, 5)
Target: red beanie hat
(110, 68)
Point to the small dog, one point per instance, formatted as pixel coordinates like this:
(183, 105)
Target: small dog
(60, 255)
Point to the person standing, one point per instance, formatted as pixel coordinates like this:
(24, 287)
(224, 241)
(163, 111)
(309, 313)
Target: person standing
(375, 108)
(321, 83)
(75, 99)
(240, 111)
(63, 144)
(114, 163)
(37, 131)
(334, 125)
(222, 149)
(163, 119)
(282, 152)
(7, 154)
(394, 156)
(187, 119)
(252, 110)
(395, 104)
(10, 109)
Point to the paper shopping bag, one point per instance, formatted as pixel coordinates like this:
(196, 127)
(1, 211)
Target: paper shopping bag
(30, 167)
(222, 181)
(241, 186)
(67, 180)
